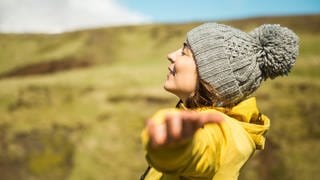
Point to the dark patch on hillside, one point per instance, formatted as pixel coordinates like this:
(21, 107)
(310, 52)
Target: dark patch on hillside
(149, 99)
(48, 67)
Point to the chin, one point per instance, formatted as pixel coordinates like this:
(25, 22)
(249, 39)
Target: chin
(165, 87)
(168, 88)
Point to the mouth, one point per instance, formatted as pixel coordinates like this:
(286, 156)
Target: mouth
(172, 71)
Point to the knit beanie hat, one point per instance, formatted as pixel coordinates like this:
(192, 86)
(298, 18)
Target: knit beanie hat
(235, 62)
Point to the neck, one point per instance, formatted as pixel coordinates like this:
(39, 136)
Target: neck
(185, 98)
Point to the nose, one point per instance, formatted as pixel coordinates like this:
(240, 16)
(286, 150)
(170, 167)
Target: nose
(172, 56)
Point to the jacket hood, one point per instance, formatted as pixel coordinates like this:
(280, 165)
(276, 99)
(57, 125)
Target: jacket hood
(248, 115)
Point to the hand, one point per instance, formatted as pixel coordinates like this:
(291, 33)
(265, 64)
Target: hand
(178, 126)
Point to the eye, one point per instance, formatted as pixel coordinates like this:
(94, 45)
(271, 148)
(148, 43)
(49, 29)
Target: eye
(183, 53)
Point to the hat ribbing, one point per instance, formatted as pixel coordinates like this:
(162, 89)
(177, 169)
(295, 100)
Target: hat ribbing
(235, 62)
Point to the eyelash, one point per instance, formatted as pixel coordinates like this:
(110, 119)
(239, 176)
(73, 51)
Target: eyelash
(182, 53)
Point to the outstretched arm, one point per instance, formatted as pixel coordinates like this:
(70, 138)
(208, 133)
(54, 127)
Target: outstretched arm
(178, 126)
(184, 142)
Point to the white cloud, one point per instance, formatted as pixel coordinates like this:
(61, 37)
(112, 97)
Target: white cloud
(52, 16)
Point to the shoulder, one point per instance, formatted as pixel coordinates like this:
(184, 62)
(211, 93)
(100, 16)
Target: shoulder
(229, 134)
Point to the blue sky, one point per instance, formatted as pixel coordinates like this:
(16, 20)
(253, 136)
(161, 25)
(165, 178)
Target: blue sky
(55, 16)
(192, 10)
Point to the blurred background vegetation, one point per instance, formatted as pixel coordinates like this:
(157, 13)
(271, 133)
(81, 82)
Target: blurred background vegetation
(72, 105)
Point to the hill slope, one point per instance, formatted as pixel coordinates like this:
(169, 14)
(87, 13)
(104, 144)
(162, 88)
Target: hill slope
(72, 105)
(38, 54)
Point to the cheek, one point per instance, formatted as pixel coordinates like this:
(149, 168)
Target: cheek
(186, 76)
(186, 82)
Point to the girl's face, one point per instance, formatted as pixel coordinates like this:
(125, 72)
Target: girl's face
(182, 76)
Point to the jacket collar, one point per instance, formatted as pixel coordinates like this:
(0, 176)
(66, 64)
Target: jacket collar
(248, 115)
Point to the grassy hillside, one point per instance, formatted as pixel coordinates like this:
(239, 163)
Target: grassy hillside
(72, 105)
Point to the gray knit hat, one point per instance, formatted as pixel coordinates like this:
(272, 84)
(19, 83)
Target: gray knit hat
(235, 62)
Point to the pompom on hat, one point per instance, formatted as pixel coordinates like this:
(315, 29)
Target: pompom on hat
(235, 62)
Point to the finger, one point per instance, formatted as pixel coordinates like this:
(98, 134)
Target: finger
(193, 118)
(150, 128)
(189, 123)
(159, 135)
(151, 131)
(174, 126)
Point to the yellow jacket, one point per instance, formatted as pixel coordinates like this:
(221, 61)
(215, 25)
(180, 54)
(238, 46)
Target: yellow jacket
(216, 151)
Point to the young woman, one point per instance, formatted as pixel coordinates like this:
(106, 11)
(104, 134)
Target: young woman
(216, 126)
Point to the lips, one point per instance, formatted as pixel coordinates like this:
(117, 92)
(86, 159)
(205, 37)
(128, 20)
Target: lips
(172, 71)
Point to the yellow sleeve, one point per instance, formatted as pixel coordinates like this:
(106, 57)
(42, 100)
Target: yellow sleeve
(194, 157)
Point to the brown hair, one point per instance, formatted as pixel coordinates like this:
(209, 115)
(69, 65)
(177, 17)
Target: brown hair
(205, 95)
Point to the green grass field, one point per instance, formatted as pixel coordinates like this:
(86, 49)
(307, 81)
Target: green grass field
(72, 105)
